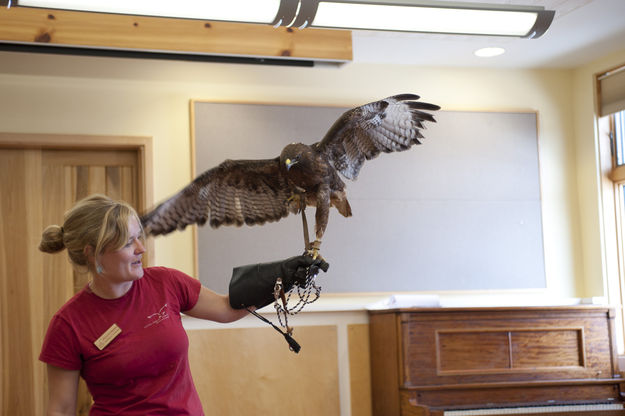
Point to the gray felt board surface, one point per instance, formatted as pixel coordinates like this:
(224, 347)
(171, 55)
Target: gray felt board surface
(459, 212)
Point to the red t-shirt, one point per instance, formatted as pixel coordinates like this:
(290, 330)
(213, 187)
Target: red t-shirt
(145, 369)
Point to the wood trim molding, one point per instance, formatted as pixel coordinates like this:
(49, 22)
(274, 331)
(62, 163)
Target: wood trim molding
(196, 255)
(24, 25)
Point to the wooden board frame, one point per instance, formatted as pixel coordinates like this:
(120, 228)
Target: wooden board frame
(35, 26)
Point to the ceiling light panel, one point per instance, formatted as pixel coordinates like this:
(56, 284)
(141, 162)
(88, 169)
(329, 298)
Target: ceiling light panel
(251, 11)
(424, 19)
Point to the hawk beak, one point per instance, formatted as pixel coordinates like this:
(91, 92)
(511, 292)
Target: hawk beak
(290, 163)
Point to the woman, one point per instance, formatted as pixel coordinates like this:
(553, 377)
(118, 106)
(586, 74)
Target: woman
(123, 333)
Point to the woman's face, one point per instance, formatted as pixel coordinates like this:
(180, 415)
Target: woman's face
(124, 265)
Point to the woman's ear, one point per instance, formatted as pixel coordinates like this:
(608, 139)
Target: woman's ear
(89, 252)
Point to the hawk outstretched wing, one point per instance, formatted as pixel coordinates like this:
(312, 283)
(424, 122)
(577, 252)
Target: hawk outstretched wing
(390, 125)
(236, 192)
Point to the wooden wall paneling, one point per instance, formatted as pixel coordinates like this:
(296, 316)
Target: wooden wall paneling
(60, 288)
(33, 207)
(80, 181)
(251, 371)
(130, 188)
(359, 369)
(120, 182)
(113, 185)
(71, 28)
(57, 271)
(385, 377)
(144, 182)
(97, 180)
(91, 157)
(20, 279)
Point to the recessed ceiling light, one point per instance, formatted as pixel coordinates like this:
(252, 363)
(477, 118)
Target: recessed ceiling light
(489, 52)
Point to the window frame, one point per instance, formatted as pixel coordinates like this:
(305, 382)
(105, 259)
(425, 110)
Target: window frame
(613, 210)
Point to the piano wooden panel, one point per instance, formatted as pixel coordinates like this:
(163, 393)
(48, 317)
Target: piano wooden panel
(428, 360)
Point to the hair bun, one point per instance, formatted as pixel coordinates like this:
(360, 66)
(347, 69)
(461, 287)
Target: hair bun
(52, 239)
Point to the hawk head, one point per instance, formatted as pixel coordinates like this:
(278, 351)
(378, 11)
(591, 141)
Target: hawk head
(296, 154)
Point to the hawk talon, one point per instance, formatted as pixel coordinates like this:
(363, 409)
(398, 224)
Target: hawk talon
(296, 198)
(313, 250)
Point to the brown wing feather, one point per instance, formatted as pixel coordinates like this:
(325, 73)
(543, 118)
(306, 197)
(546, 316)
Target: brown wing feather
(236, 192)
(362, 133)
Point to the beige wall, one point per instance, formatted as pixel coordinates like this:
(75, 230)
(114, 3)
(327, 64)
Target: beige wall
(55, 94)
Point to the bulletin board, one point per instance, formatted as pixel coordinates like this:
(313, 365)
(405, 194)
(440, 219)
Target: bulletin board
(462, 211)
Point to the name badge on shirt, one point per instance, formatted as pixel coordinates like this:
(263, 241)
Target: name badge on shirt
(107, 337)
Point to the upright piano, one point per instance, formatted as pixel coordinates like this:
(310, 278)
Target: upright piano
(495, 361)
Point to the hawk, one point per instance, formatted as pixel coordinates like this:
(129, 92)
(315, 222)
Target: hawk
(254, 192)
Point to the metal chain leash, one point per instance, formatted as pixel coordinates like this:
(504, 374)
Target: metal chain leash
(304, 293)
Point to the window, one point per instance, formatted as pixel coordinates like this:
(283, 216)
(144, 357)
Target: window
(612, 147)
(611, 100)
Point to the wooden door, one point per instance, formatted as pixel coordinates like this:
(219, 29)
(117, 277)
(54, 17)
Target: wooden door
(37, 186)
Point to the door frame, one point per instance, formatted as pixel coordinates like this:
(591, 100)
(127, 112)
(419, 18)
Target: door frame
(141, 144)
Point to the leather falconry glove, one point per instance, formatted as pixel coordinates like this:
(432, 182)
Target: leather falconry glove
(253, 285)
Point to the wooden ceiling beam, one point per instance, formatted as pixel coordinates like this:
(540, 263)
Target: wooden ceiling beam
(157, 34)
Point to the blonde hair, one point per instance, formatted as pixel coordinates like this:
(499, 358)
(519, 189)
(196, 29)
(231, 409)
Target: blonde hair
(97, 221)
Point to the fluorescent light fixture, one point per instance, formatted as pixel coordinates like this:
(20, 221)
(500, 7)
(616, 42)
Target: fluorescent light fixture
(423, 19)
(428, 17)
(250, 11)
(489, 52)
(393, 15)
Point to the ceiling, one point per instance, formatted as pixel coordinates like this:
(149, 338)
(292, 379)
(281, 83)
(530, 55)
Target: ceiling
(582, 31)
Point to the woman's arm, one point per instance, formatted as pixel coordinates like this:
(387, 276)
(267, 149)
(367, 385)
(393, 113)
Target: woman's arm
(215, 307)
(63, 389)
